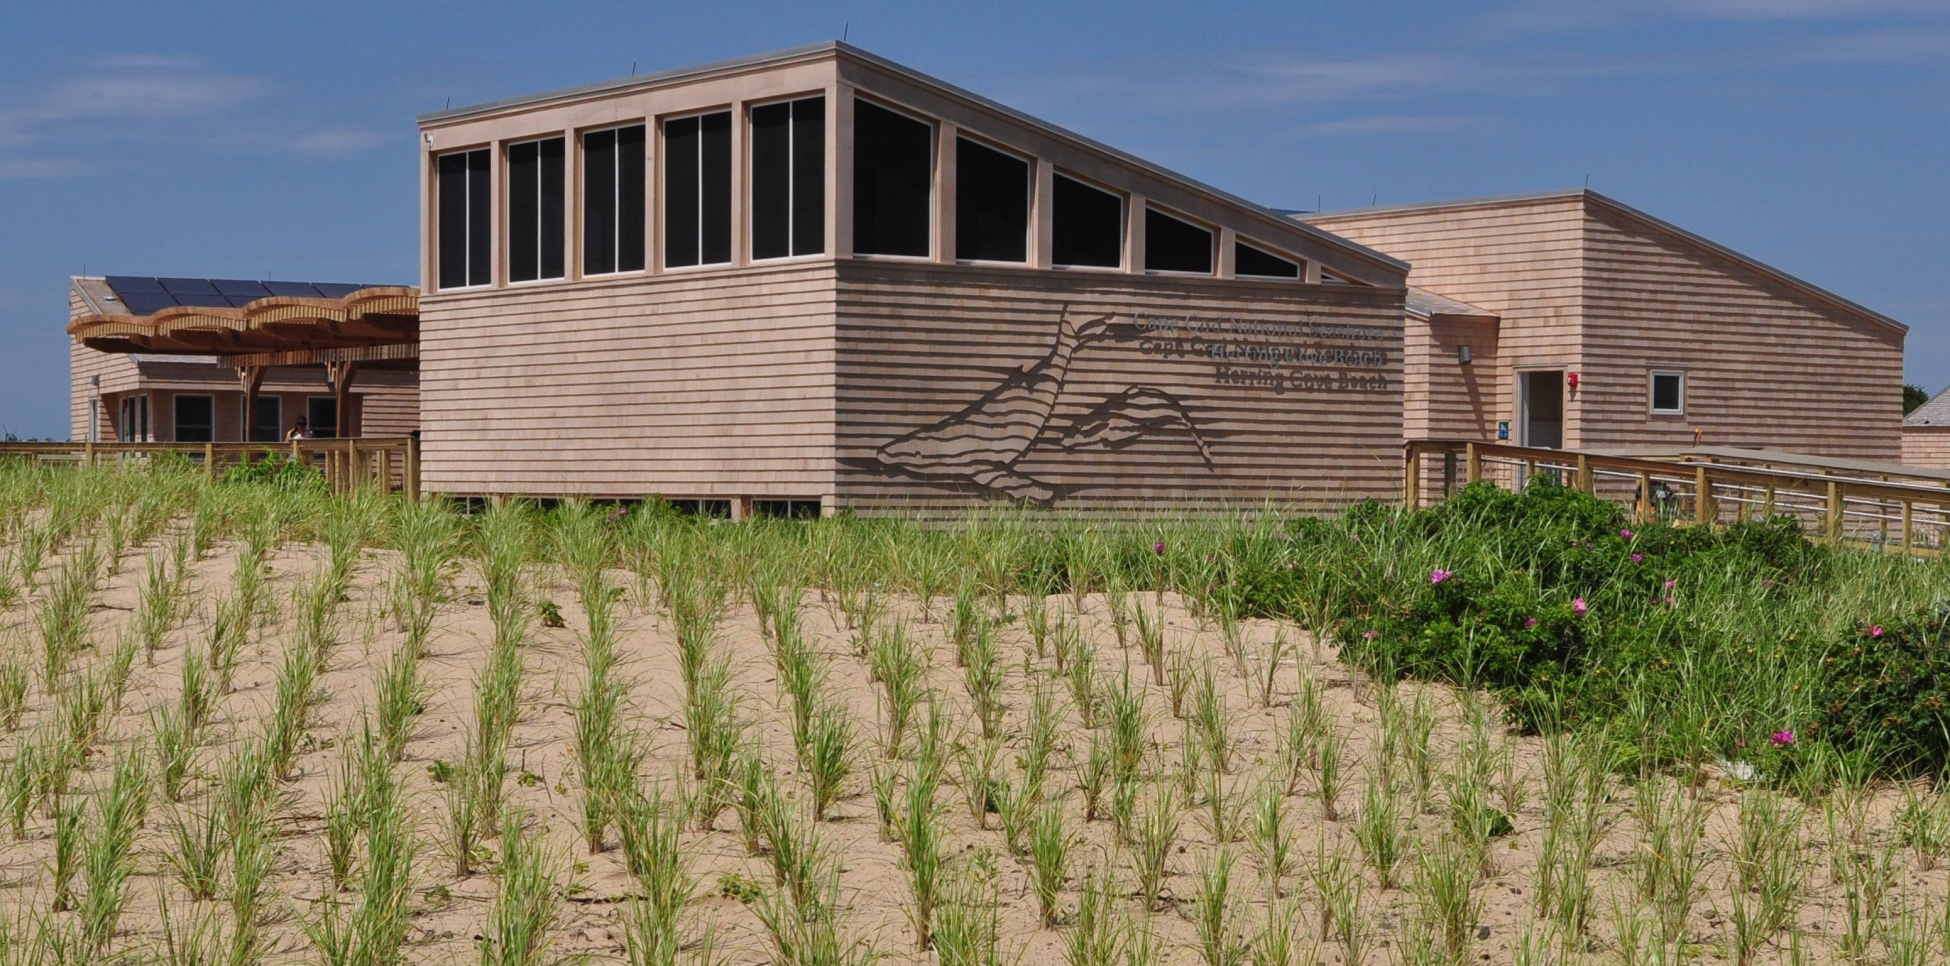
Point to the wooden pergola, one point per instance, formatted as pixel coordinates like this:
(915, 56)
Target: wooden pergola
(371, 328)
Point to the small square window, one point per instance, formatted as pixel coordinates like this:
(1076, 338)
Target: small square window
(1668, 393)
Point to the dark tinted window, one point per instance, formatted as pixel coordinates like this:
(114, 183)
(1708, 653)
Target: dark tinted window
(1667, 396)
(697, 190)
(196, 419)
(461, 184)
(991, 204)
(893, 175)
(1086, 225)
(535, 192)
(612, 201)
(1247, 260)
(1171, 245)
(789, 178)
(267, 420)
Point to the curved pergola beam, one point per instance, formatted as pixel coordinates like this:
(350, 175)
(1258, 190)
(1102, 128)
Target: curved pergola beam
(381, 315)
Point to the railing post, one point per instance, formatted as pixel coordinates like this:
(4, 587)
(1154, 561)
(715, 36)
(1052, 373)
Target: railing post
(210, 461)
(409, 478)
(1412, 478)
(1585, 485)
(1908, 524)
(1702, 498)
(1768, 507)
(1645, 496)
(1834, 523)
(353, 478)
(88, 453)
(1473, 464)
(385, 456)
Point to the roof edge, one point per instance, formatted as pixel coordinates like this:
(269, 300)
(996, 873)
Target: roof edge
(1792, 281)
(1590, 197)
(837, 48)
(801, 52)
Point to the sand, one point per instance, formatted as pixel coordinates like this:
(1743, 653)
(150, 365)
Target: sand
(449, 912)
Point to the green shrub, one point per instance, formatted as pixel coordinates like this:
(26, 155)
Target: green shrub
(276, 469)
(1889, 686)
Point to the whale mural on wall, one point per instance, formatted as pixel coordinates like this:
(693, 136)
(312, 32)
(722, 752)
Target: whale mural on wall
(986, 441)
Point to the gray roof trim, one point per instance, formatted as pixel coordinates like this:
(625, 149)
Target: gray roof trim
(1593, 197)
(1423, 304)
(1934, 412)
(837, 48)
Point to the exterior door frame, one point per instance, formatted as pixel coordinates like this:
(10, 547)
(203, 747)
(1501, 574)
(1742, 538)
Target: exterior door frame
(1525, 436)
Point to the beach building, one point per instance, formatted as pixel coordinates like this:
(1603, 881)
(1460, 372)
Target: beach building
(819, 277)
(1567, 319)
(171, 360)
(816, 279)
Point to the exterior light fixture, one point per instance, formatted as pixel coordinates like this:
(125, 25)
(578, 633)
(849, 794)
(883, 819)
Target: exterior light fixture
(1571, 379)
(1463, 355)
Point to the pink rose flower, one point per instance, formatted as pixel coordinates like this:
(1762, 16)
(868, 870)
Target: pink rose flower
(1782, 739)
(1158, 547)
(1875, 631)
(1624, 534)
(1438, 575)
(1638, 558)
(1578, 607)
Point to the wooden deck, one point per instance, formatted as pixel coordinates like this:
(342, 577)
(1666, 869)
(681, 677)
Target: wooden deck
(1884, 509)
(388, 462)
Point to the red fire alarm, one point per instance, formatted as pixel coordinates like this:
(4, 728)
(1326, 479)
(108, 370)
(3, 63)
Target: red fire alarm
(1571, 379)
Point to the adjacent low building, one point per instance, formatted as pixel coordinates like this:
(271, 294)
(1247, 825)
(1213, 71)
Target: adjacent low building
(1569, 319)
(183, 360)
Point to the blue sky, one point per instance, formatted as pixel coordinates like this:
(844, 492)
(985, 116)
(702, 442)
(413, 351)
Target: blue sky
(263, 140)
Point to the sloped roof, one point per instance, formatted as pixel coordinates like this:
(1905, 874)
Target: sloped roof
(1936, 412)
(835, 48)
(1593, 198)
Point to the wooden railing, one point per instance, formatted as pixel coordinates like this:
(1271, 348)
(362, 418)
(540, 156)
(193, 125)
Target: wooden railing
(1911, 514)
(388, 462)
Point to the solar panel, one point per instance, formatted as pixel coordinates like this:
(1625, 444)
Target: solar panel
(124, 284)
(239, 301)
(240, 288)
(143, 303)
(335, 290)
(188, 286)
(298, 289)
(203, 299)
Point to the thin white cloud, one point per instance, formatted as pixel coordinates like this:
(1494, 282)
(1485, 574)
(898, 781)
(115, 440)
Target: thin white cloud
(1392, 124)
(1549, 16)
(339, 141)
(145, 62)
(134, 90)
(12, 169)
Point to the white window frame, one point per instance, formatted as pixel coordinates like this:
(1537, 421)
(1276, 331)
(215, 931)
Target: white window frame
(1029, 198)
(1211, 250)
(507, 201)
(468, 221)
(1651, 392)
(750, 213)
(1123, 223)
(661, 216)
(176, 413)
(582, 212)
(934, 181)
